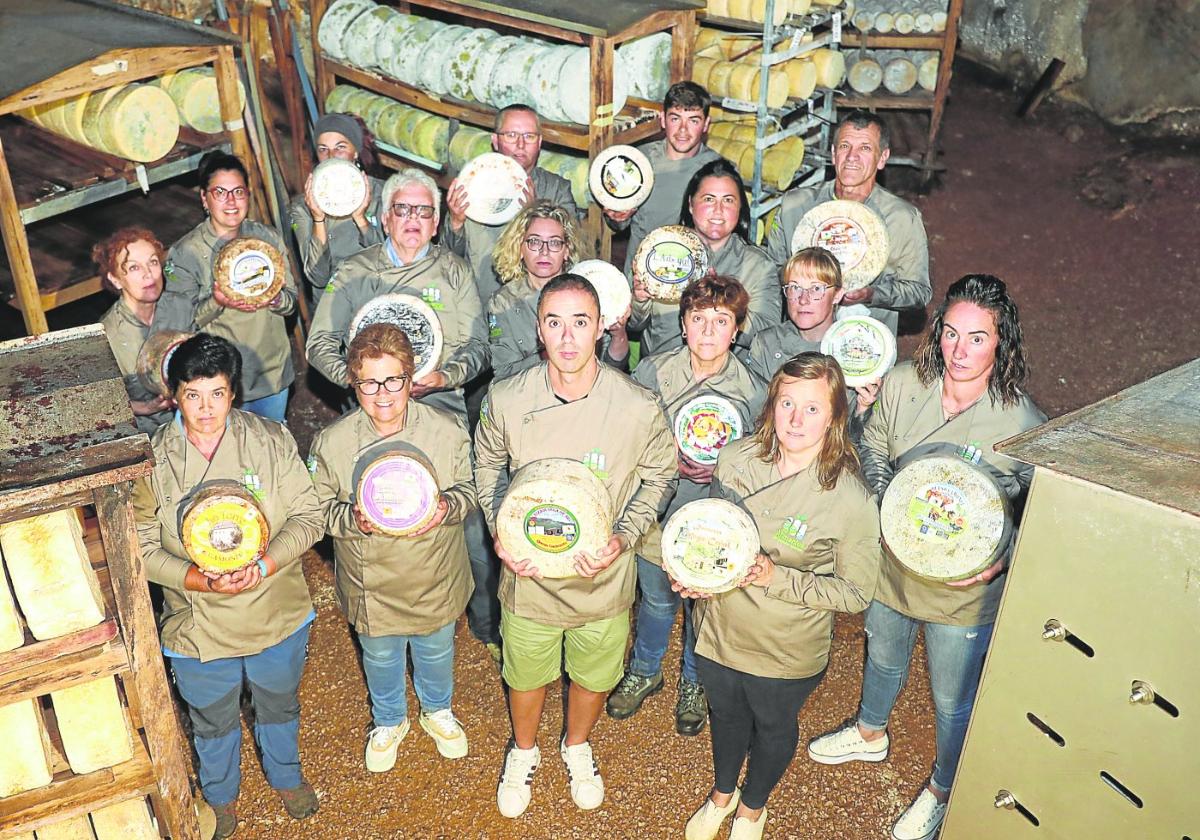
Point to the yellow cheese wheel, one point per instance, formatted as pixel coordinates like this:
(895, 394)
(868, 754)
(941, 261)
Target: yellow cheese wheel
(25, 759)
(758, 11)
(459, 149)
(408, 125)
(777, 88)
(801, 7)
(389, 121)
(707, 43)
(830, 66)
(743, 48)
(743, 82)
(92, 111)
(927, 73)
(11, 634)
(223, 528)
(802, 77)
(741, 9)
(742, 133)
(745, 160)
(92, 725)
(128, 820)
(780, 165)
(718, 78)
(718, 8)
(73, 117)
(431, 138)
(194, 92)
(74, 828)
(335, 102)
(140, 123)
(53, 117)
(701, 68)
(721, 131)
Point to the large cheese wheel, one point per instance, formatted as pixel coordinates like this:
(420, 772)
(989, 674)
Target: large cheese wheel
(707, 44)
(153, 358)
(758, 11)
(507, 85)
(648, 61)
(781, 163)
(927, 73)
(249, 271)
(944, 518)
(194, 92)
(905, 22)
(73, 828)
(91, 114)
(543, 81)
(863, 20)
(802, 77)
(743, 82)
(554, 509)
(358, 43)
(899, 75)
(72, 115)
(717, 8)
(374, 112)
(740, 9)
(335, 22)
(864, 347)
(51, 574)
(406, 57)
(701, 69)
(853, 232)
(885, 22)
(338, 187)
(718, 78)
(704, 425)
(621, 178)
(459, 151)
(435, 57)
(25, 759)
(940, 20)
(709, 545)
(668, 260)
(396, 489)
(923, 22)
(831, 67)
(414, 317)
(389, 36)
(431, 138)
(865, 75)
(800, 7)
(140, 123)
(390, 120)
(611, 285)
(495, 188)
(490, 55)
(12, 636)
(128, 820)
(335, 102)
(465, 59)
(223, 527)
(574, 85)
(92, 725)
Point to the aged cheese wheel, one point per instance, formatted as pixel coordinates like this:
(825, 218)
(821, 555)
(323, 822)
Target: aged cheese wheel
(611, 286)
(358, 42)
(802, 77)
(865, 75)
(128, 820)
(194, 92)
(718, 8)
(507, 84)
(923, 22)
(459, 151)
(249, 270)
(885, 22)
(853, 232)
(554, 509)
(431, 138)
(905, 22)
(575, 82)
(831, 67)
(740, 9)
(944, 518)
(374, 112)
(91, 114)
(154, 357)
(864, 347)
(718, 78)
(621, 178)
(389, 36)
(92, 725)
(464, 59)
(51, 574)
(745, 159)
(703, 425)
(801, 7)
(701, 70)
(707, 44)
(543, 80)
(406, 58)
(863, 20)
(140, 123)
(11, 634)
(396, 489)
(709, 545)
(335, 22)
(338, 187)
(72, 828)
(72, 116)
(669, 258)
(940, 21)
(25, 759)
(412, 315)
(495, 187)
(435, 57)
(743, 82)
(335, 102)
(490, 55)
(389, 122)
(899, 75)
(927, 73)
(648, 62)
(758, 11)
(781, 163)
(223, 528)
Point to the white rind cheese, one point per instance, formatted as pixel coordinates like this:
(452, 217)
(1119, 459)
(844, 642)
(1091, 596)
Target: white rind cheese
(495, 187)
(338, 187)
(25, 759)
(611, 285)
(864, 348)
(128, 820)
(11, 634)
(709, 545)
(852, 232)
(621, 178)
(91, 722)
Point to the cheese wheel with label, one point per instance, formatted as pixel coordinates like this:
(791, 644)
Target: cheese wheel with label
(864, 348)
(414, 317)
(223, 528)
(155, 356)
(128, 820)
(704, 425)
(852, 232)
(250, 271)
(92, 725)
(554, 509)
(25, 759)
(51, 574)
(668, 259)
(12, 636)
(396, 489)
(709, 545)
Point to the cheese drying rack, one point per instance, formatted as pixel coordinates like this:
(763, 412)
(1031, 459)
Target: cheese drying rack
(68, 441)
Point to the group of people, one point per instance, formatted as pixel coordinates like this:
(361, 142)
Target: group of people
(530, 370)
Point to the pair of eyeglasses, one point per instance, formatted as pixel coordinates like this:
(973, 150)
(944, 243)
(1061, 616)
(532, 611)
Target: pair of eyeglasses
(536, 243)
(222, 194)
(421, 211)
(370, 387)
(815, 292)
(514, 136)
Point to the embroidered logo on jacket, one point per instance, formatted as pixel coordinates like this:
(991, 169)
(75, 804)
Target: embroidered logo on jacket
(253, 485)
(971, 452)
(494, 330)
(433, 296)
(595, 461)
(169, 269)
(791, 532)
(311, 464)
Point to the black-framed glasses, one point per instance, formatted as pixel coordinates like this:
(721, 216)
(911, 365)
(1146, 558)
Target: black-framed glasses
(554, 243)
(514, 136)
(222, 194)
(421, 211)
(370, 387)
(815, 292)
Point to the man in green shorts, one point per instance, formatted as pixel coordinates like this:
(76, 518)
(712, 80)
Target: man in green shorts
(570, 406)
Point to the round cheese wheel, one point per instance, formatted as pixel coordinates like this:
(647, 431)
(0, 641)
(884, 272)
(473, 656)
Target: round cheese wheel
(574, 85)
(374, 112)
(91, 114)
(72, 116)
(741, 9)
(927, 73)
(718, 8)
(802, 78)
(781, 163)
(885, 22)
(358, 43)
(507, 84)
(431, 70)
(335, 102)
(865, 75)
(338, 187)
(703, 425)
(405, 62)
(543, 81)
(249, 270)
(495, 186)
(611, 286)
(940, 21)
(648, 61)
(800, 7)
(153, 358)
(140, 124)
(396, 489)
(899, 76)
(864, 347)
(459, 147)
(431, 138)
(335, 22)
(944, 518)
(390, 121)
(853, 232)
(464, 59)
(408, 127)
(906, 22)
(709, 545)
(489, 55)
(223, 528)
(414, 317)
(701, 68)
(923, 23)
(668, 259)
(621, 178)
(831, 67)
(389, 36)
(707, 43)
(718, 78)
(554, 509)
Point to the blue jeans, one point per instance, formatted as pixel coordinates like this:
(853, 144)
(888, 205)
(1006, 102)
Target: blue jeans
(955, 657)
(213, 692)
(655, 618)
(273, 407)
(385, 664)
(483, 610)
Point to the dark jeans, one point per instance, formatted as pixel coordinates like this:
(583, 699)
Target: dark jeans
(756, 717)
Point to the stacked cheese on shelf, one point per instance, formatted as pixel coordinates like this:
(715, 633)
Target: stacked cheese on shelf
(900, 17)
(755, 11)
(720, 59)
(194, 92)
(899, 72)
(735, 141)
(136, 122)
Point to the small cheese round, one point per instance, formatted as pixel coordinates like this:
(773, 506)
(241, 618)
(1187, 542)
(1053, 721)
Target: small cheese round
(223, 528)
(709, 545)
(704, 425)
(495, 188)
(249, 270)
(864, 347)
(338, 187)
(669, 258)
(154, 357)
(621, 178)
(612, 287)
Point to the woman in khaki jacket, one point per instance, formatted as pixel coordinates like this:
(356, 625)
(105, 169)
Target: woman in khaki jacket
(220, 631)
(761, 649)
(963, 392)
(398, 592)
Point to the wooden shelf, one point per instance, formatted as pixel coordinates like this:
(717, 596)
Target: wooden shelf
(892, 41)
(922, 101)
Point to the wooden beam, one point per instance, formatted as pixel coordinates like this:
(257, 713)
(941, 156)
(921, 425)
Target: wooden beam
(235, 126)
(16, 245)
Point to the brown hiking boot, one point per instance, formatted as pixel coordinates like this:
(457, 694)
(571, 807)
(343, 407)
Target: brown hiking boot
(300, 802)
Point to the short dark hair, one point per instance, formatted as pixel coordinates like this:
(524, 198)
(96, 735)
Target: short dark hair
(515, 108)
(204, 356)
(687, 96)
(568, 282)
(715, 290)
(219, 161)
(865, 119)
(719, 168)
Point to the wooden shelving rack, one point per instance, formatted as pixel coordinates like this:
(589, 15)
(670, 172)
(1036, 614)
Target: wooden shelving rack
(69, 441)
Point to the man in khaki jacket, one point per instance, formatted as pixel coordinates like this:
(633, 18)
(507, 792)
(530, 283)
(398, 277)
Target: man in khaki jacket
(570, 406)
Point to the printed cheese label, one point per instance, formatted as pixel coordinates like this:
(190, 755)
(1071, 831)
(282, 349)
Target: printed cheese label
(938, 511)
(704, 426)
(859, 349)
(551, 528)
(844, 238)
(670, 262)
(621, 177)
(252, 274)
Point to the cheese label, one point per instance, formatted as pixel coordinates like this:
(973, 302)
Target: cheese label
(398, 494)
(704, 425)
(551, 528)
(709, 544)
(621, 177)
(251, 274)
(938, 510)
(670, 262)
(845, 239)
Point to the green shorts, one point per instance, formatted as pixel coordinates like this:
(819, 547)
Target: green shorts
(533, 652)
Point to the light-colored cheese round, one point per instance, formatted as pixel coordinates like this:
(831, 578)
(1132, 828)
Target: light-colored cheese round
(338, 187)
(802, 77)
(153, 358)
(940, 21)
(707, 44)
(507, 85)
(91, 114)
(358, 43)
(432, 68)
(668, 259)
(335, 22)
(743, 82)
(575, 82)
(406, 56)
(927, 73)
(709, 545)
(389, 36)
(621, 178)
(72, 116)
(718, 78)
(396, 489)
(741, 9)
(648, 62)
(554, 509)
(543, 82)
(831, 67)
(863, 20)
(899, 76)
(459, 151)
(494, 185)
(780, 164)
(885, 22)
(140, 124)
(390, 121)
(704, 425)
(702, 68)
(923, 23)
(944, 518)
(853, 232)
(864, 347)
(612, 287)
(431, 138)
(407, 129)
(718, 8)
(374, 112)
(249, 270)
(464, 59)
(906, 22)
(223, 528)
(335, 102)
(194, 92)
(490, 55)
(758, 11)
(414, 317)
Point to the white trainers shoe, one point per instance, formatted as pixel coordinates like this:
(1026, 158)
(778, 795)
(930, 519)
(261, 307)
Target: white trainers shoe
(381, 746)
(587, 788)
(745, 828)
(846, 744)
(922, 819)
(445, 729)
(516, 782)
(706, 823)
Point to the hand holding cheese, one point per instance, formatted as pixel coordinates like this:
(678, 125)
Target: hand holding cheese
(443, 507)
(983, 577)
(521, 568)
(761, 573)
(588, 566)
(456, 205)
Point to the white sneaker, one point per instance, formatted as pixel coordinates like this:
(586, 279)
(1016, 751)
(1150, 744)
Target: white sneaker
(745, 828)
(516, 782)
(445, 729)
(846, 744)
(382, 744)
(706, 823)
(587, 788)
(922, 819)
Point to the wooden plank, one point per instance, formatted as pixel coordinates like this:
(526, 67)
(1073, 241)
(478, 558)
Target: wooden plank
(852, 38)
(41, 677)
(502, 15)
(324, 77)
(280, 28)
(919, 102)
(114, 511)
(28, 501)
(235, 127)
(16, 245)
(608, 19)
(37, 652)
